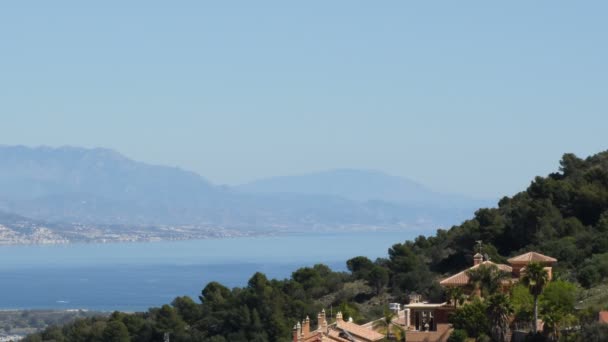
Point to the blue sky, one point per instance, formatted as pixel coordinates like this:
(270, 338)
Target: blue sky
(475, 97)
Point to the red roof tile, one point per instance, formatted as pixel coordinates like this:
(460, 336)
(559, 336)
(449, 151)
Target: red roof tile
(462, 278)
(603, 317)
(359, 331)
(531, 257)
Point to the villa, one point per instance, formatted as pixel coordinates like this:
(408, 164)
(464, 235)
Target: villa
(422, 321)
(516, 268)
(429, 321)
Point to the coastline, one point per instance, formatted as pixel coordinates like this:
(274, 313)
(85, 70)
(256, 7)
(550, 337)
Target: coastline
(139, 236)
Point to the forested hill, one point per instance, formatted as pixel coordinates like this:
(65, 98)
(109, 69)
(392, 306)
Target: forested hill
(564, 215)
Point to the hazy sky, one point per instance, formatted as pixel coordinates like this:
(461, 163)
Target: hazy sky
(475, 97)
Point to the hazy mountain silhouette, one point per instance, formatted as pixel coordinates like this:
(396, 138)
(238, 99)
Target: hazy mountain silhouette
(29, 173)
(71, 184)
(359, 185)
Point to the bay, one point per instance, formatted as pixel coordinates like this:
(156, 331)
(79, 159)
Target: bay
(136, 276)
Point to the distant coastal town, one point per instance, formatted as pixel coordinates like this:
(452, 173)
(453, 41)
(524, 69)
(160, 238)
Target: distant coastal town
(33, 234)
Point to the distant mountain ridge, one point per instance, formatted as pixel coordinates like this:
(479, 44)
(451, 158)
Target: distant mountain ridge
(71, 184)
(358, 185)
(30, 173)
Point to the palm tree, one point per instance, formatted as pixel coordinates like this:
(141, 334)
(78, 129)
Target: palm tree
(476, 277)
(551, 324)
(499, 311)
(456, 295)
(554, 320)
(535, 278)
(486, 279)
(386, 324)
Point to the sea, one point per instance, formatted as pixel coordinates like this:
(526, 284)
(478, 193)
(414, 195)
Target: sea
(133, 277)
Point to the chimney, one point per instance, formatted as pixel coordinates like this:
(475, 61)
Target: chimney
(295, 333)
(477, 259)
(299, 327)
(339, 318)
(322, 320)
(306, 327)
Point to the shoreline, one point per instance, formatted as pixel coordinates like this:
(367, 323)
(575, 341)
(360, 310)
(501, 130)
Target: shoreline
(245, 234)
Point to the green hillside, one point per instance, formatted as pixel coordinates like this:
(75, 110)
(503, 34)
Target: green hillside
(564, 215)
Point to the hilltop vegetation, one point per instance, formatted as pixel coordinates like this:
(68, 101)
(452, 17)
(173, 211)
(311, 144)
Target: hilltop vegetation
(564, 215)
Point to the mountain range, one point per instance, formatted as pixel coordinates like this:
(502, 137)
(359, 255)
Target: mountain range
(72, 184)
(361, 186)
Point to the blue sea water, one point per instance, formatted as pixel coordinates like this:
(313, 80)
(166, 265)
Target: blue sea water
(136, 276)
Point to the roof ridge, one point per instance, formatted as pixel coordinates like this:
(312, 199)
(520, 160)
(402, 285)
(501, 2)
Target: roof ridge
(502, 267)
(531, 256)
(359, 330)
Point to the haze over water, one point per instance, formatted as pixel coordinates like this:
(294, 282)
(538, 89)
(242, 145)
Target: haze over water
(136, 276)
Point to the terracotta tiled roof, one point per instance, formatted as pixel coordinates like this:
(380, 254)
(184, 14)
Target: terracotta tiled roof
(425, 305)
(359, 331)
(462, 278)
(334, 335)
(457, 279)
(400, 321)
(603, 317)
(531, 257)
(315, 336)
